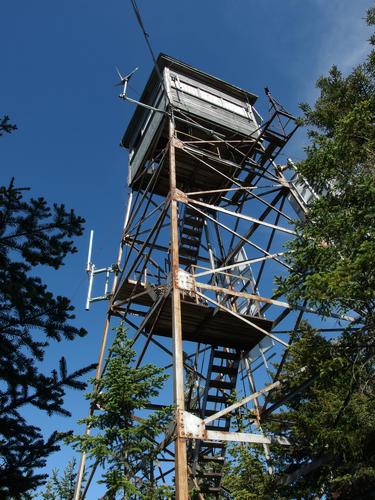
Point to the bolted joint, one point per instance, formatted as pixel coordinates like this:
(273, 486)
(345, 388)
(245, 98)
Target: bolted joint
(126, 239)
(189, 426)
(177, 143)
(184, 281)
(180, 424)
(178, 195)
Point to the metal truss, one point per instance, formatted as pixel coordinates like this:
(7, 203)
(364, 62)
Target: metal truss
(204, 237)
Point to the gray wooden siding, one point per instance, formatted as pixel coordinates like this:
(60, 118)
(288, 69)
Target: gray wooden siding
(196, 98)
(211, 104)
(146, 132)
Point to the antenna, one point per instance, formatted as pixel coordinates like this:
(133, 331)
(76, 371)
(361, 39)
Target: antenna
(92, 272)
(89, 263)
(90, 269)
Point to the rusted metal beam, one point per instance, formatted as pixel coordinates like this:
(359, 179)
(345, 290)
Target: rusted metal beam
(237, 264)
(250, 377)
(242, 402)
(225, 190)
(250, 296)
(245, 240)
(241, 216)
(195, 428)
(245, 437)
(178, 361)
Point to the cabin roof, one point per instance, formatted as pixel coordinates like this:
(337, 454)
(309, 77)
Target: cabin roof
(163, 61)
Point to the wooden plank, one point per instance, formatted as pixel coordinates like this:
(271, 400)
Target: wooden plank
(199, 324)
(244, 319)
(137, 293)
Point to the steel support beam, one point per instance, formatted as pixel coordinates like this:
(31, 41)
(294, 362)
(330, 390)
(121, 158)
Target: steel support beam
(178, 362)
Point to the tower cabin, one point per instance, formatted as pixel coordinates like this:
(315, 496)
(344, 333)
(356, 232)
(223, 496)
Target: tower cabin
(205, 109)
(220, 141)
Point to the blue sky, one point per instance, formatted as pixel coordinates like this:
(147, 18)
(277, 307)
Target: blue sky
(57, 74)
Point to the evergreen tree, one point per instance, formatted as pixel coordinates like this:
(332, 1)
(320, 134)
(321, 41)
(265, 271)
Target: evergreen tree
(61, 487)
(31, 234)
(124, 435)
(331, 424)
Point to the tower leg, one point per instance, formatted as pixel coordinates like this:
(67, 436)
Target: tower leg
(178, 366)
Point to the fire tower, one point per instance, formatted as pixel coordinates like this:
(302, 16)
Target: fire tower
(208, 214)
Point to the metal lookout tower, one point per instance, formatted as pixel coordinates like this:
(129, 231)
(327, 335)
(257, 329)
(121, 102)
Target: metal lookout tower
(208, 216)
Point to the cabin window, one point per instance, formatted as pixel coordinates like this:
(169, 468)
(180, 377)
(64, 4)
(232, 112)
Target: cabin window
(207, 96)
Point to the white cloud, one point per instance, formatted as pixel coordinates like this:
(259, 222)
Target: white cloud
(344, 37)
(346, 43)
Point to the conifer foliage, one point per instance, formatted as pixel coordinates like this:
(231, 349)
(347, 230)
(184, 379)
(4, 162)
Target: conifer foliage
(32, 234)
(61, 487)
(330, 424)
(124, 438)
(6, 126)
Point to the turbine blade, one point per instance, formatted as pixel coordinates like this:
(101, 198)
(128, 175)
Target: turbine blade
(119, 74)
(131, 73)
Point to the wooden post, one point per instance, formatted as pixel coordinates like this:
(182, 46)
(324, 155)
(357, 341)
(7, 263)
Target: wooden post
(178, 365)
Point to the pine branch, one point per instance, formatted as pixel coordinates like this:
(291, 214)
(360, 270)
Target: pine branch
(6, 126)
(51, 386)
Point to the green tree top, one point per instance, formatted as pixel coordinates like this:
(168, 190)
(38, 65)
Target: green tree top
(330, 423)
(124, 437)
(61, 487)
(31, 234)
(333, 258)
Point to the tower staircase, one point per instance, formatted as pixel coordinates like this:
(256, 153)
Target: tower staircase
(190, 236)
(208, 456)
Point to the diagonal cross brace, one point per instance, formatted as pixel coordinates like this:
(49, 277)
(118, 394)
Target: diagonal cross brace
(234, 406)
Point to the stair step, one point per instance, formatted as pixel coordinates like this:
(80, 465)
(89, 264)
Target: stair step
(186, 260)
(219, 384)
(217, 399)
(211, 489)
(228, 370)
(276, 139)
(193, 221)
(190, 210)
(207, 458)
(189, 241)
(189, 251)
(209, 474)
(191, 232)
(267, 153)
(213, 444)
(226, 355)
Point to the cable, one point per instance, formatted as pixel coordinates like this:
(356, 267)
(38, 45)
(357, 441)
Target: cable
(148, 43)
(145, 34)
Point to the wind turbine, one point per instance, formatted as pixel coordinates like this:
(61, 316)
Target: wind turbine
(124, 80)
